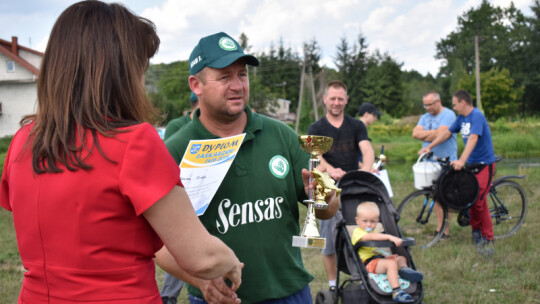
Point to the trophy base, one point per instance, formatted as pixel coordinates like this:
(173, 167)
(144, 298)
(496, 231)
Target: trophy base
(316, 205)
(309, 242)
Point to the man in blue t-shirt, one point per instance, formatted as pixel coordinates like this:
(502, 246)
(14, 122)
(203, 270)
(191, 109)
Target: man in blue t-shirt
(478, 151)
(437, 119)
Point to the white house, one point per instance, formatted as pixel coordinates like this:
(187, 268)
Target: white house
(19, 69)
(280, 110)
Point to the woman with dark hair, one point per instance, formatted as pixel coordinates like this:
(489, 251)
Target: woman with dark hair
(95, 194)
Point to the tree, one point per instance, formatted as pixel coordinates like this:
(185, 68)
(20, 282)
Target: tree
(169, 89)
(508, 40)
(343, 58)
(499, 97)
(261, 98)
(383, 85)
(313, 52)
(352, 64)
(279, 71)
(486, 21)
(243, 41)
(414, 87)
(357, 74)
(531, 62)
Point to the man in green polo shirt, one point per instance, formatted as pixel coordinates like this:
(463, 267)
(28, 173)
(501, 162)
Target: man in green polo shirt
(177, 123)
(255, 210)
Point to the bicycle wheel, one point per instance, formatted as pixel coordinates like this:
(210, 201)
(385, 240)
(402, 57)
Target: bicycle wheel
(417, 218)
(507, 203)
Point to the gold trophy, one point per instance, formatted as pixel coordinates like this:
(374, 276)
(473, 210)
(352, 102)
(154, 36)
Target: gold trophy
(315, 145)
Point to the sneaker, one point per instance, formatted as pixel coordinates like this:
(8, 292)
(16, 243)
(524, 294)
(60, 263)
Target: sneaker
(477, 238)
(410, 274)
(401, 296)
(487, 249)
(464, 218)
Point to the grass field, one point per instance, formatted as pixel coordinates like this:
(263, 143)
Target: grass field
(454, 272)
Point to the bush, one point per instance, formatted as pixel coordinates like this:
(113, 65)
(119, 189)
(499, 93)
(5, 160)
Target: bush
(383, 132)
(501, 126)
(4, 143)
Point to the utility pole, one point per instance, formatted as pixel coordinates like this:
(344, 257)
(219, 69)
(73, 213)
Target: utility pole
(299, 109)
(477, 65)
(313, 97)
(307, 62)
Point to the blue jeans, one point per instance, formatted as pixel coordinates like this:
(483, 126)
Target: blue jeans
(300, 297)
(171, 288)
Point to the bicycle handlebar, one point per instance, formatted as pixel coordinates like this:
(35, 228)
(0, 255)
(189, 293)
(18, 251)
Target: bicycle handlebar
(442, 160)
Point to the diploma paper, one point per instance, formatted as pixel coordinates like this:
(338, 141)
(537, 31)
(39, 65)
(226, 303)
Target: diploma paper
(204, 166)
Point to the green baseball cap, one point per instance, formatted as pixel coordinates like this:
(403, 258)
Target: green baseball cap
(217, 51)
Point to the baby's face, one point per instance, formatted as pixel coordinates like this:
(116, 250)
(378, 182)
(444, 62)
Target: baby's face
(367, 220)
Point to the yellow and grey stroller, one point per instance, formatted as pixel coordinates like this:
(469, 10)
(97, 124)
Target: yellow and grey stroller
(358, 285)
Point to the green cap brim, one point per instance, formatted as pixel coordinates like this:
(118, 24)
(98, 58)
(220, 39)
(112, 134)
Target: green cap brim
(227, 60)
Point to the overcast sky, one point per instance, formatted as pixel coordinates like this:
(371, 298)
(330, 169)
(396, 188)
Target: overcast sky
(406, 29)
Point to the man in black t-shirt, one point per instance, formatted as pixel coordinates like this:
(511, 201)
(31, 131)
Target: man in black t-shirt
(350, 140)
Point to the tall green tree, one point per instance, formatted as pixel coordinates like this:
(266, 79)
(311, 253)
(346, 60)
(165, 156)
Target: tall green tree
(168, 88)
(414, 87)
(507, 39)
(488, 23)
(531, 62)
(499, 96)
(357, 74)
(343, 58)
(352, 64)
(243, 41)
(312, 51)
(279, 71)
(383, 85)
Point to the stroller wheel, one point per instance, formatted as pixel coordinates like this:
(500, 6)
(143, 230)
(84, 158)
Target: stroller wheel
(325, 297)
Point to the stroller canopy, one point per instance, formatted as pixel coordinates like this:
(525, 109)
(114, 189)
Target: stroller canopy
(365, 184)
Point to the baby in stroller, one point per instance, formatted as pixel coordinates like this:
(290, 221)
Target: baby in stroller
(357, 285)
(377, 260)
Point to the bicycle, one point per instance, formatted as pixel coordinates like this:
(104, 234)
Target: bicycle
(507, 201)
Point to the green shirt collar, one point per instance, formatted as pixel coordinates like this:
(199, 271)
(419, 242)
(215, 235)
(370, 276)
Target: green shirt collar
(254, 125)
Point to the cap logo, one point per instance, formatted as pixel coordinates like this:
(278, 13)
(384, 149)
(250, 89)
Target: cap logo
(227, 44)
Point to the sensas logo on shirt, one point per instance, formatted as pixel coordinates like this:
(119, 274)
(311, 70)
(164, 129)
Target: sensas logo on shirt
(233, 215)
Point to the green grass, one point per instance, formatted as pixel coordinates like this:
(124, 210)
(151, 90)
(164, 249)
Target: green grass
(454, 272)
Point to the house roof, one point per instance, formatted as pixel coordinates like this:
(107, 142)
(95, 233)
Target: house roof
(7, 49)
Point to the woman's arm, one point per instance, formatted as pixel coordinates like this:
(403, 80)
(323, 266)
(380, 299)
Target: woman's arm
(195, 251)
